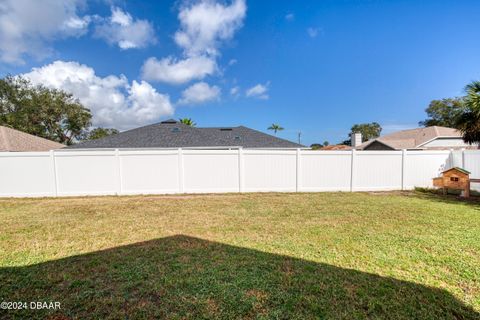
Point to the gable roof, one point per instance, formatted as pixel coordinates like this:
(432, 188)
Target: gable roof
(458, 169)
(173, 134)
(14, 140)
(414, 138)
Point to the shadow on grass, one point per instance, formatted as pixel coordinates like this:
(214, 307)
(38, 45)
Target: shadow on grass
(185, 277)
(451, 198)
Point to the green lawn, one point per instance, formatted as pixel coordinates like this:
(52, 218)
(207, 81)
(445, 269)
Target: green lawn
(266, 256)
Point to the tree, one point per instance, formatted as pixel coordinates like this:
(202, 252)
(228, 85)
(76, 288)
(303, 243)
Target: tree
(444, 112)
(275, 128)
(187, 121)
(98, 133)
(49, 113)
(316, 146)
(368, 131)
(469, 121)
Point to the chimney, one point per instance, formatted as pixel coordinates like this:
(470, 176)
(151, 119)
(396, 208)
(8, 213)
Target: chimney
(356, 138)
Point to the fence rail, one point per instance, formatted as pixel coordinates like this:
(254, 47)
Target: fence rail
(105, 172)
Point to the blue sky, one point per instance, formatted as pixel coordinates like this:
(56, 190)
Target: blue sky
(316, 67)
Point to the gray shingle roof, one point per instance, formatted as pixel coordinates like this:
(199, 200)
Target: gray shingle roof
(172, 134)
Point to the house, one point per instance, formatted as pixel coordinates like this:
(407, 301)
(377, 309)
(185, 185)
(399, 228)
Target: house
(14, 140)
(336, 147)
(428, 138)
(173, 134)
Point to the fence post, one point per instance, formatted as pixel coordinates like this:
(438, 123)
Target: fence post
(54, 169)
(181, 186)
(451, 159)
(404, 170)
(298, 171)
(119, 172)
(352, 171)
(240, 170)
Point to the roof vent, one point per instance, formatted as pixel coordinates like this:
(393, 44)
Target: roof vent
(175, 129)
(169, 121)
(225, 129)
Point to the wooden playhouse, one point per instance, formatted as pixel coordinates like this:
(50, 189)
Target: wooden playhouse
(454, 178)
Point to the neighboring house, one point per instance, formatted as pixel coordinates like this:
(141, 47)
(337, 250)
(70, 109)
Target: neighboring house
(14, 140)
(429, 138)
(336, 147)
(173, 134)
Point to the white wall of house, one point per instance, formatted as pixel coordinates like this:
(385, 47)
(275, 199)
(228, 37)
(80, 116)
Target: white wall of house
(446, 142)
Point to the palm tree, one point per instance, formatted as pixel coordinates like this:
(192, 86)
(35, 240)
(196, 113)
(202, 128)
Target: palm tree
(187, 121)
(275, 128)
(469, 121)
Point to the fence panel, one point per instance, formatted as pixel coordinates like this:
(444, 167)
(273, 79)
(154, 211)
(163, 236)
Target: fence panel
(26, 174)
(377, 170)
(471, 160)
(210, 171)
(422, 166)
(472, 163)
(86, 172)
(149, 172)
(456, 159)
(325, 170)
(270, 170)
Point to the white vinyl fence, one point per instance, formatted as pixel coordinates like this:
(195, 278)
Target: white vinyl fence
(88, 172)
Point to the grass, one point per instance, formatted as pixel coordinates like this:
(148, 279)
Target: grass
(266, 256)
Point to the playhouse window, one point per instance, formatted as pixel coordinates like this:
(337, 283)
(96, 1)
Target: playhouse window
(454, 179)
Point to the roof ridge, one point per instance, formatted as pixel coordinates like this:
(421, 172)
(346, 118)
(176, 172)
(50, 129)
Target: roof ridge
(299, 144)
(422, 131)
(155, 124)
(217, 127)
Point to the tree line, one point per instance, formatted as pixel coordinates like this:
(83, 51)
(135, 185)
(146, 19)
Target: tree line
(45, 112)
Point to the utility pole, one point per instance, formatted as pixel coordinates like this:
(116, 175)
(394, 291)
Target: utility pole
(299, 137)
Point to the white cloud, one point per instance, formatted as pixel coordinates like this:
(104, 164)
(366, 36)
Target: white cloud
(234, 91)
(114, 102)
(232, 62)
(27, 27)
(313, 32)
(128, 33)
(121, 18)
(200, 92)
(259, 91)
(206, 23)
(290, 17)
(175, 71)
(76, 24)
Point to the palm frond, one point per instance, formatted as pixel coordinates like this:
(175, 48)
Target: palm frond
(469, 122)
